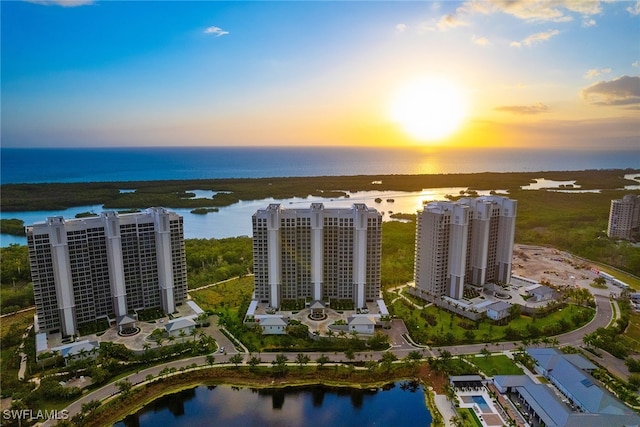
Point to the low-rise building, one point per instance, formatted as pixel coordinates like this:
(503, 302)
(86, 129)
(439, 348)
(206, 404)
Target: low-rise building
(498, 310)
(361, 324)
(577, 401)
(183, 324)
(539, 293)
(273, 325)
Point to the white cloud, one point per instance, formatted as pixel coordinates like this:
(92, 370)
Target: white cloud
(524, 109)
(401, 28)
(63, 3)
(537, 10)
(635, 9)
(216, 30)
(482, 41)
(536, 38)
(635, 64)
(450, 21)
(624, 90)
(595, 72)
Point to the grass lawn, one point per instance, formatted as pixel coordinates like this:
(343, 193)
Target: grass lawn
(496, 365)
(633, 330)
(229, 294)
(468, 417)
(448, 328)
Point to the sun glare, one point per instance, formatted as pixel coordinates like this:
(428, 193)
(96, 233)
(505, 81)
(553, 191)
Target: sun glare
(429, 109)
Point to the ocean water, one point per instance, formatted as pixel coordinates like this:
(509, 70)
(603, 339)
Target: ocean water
(35, 165)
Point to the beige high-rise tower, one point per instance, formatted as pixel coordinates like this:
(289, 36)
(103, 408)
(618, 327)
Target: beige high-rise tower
(624, 217)
(467, 241)
(105, 266)
(317, 253)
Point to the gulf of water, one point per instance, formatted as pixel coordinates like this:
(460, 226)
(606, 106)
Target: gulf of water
(143, 164)
(400, 404)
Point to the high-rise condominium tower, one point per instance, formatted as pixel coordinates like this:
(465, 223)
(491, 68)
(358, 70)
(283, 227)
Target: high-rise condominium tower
(105, 267)
(624, 217)
(317, 253)
(467, 241)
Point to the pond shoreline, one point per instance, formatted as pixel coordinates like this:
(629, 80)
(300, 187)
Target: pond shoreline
(116, 408)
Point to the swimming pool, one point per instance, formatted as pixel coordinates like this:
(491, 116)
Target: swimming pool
(482, 404)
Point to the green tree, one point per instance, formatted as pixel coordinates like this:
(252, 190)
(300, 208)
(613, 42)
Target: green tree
(387, 360)
(280, 365)
(236, 359)
(124, 386)
(254, 361)
(349, 354)
(322, 360)
(302, 359)
(90, 406)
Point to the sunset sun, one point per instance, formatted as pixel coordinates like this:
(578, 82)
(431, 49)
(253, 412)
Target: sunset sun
(429, 109)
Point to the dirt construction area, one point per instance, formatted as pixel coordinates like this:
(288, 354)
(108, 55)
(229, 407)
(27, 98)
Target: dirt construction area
(558, 268)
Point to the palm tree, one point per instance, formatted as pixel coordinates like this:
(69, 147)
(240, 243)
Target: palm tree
(321, 360)
(302, 359)
(236, 359)
(211, 359)
(254, 362)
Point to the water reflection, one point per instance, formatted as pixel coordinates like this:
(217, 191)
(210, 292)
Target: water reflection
(235, 220)
(401, 405)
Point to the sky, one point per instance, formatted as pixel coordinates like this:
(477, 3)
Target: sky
(550, 74)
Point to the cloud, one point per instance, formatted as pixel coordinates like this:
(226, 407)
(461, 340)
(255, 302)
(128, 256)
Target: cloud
(401, 28)
(524, 109)
(482, 41)
(534, 10)
(63, 3)
(558, 11)
(624, 90)
(216, 30)
(635, 9)
(450, 21)
(594, 72)
(536, 38)
(635, 64)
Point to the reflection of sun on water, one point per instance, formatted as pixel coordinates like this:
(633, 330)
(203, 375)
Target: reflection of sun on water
(429, 110)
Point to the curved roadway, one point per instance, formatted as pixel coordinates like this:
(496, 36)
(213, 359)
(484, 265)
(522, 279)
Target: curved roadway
(399, 346)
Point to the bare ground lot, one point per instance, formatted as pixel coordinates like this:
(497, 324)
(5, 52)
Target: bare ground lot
(559, 268)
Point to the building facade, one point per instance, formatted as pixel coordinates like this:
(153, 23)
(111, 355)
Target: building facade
(467, 241)
(105, 267)
(317, 253)
(624, 217)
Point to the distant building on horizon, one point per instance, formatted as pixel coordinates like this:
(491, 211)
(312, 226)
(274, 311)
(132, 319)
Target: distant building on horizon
(317, 253)
(105, 267)
(624, 217)
(466, 241)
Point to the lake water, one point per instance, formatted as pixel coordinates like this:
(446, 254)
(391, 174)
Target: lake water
(235, 220)
(399, 404)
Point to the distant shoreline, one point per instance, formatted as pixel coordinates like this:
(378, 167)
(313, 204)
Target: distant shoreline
(175, 193)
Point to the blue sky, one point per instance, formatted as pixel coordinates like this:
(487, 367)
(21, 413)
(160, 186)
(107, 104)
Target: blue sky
(532, 73)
